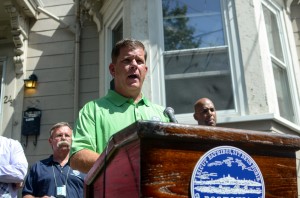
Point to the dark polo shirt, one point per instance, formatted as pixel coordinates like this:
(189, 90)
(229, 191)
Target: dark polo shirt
(46, 175)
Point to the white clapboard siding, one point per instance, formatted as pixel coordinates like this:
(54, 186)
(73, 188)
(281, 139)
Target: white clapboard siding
(86, 97)
(55, 74)
(89, 64)
(64, 47)
(52, 88)
(88, 58)
(37, 150)
(51, 24)
(50, 61)
(47, 3)
(89, 71)
(59, 11)
(51, 102)
(89, 44)
(50, 36)
(89, 85)
(89, 30)
(57, 115)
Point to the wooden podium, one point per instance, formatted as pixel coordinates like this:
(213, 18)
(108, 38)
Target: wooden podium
(154, 159)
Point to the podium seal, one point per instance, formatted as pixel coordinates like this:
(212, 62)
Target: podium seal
(227, 172)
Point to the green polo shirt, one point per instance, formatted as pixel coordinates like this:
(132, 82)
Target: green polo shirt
(100, 119)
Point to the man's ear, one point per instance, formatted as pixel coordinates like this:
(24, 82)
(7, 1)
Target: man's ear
(50, 140)
(195, 116)
(112, 69)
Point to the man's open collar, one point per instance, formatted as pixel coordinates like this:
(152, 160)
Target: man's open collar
(118, 100)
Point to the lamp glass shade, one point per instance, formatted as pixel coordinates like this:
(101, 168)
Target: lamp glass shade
(31, 82)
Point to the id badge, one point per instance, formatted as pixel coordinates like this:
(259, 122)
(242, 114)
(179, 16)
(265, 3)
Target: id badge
(61, 191)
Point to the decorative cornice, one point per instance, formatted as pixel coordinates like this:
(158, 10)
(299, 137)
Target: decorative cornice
(288, 5)
(92, 8)
(19, 30)
(20, 11)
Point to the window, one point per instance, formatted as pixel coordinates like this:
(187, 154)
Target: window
(117, 35)
(196, 54)
(113, 21)
(280, 63)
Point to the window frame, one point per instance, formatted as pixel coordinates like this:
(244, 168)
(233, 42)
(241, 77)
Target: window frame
(288, 64)
(111, 21)
(232, 44)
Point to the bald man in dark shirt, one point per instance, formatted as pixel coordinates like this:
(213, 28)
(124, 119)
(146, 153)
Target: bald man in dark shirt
(205, 112)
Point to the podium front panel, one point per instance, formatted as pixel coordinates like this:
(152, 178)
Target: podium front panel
(154, 159)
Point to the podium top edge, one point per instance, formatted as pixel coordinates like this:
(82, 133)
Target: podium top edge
(154, 129)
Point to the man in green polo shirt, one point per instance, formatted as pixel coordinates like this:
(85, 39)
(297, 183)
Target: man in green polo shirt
(122, 106)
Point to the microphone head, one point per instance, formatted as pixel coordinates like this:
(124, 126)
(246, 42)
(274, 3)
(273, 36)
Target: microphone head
(169, 110)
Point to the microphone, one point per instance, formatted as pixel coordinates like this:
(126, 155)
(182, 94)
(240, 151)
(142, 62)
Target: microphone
(169, 111)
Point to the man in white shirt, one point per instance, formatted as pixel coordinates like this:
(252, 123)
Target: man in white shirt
(13, 167)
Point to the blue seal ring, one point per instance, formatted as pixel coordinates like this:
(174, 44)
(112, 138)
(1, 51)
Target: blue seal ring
(227, 171)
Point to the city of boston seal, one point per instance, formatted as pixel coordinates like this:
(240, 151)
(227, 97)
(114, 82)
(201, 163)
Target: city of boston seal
(227, 172)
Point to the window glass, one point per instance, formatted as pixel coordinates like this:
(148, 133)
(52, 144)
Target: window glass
(117, 33)
(196, 59)
(283, 93)
(273, 33)
(192, 24)
(276, 47)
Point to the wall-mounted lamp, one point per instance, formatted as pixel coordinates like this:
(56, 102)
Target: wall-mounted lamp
(31, 81)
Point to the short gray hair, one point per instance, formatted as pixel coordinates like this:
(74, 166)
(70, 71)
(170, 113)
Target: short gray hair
(58, 125)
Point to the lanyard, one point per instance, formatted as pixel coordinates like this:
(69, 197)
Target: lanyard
(55, 176)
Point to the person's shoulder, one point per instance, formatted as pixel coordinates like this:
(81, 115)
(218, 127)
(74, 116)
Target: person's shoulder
(11, 142)
(95, 102)
(35, 166)
(151, 104)
(91, 105)
(7, 140)
(43, 162)
(40, 166)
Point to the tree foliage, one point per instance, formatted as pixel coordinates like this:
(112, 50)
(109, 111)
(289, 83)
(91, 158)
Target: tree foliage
(177, 32)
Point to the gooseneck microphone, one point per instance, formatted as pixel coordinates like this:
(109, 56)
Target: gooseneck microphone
(169, 111)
